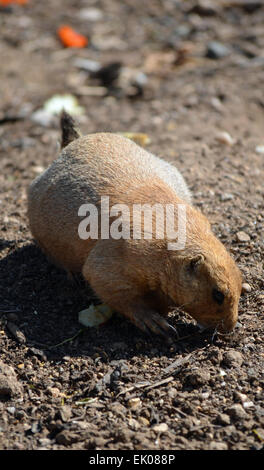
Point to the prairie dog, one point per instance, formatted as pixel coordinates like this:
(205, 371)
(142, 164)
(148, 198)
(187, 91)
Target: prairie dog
(139, 278)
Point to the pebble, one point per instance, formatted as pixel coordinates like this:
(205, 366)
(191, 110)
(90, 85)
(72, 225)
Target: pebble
(246, 288)
(87, 64)
(162, 427)
(66, 437)
(225, 138)
(260, 149)
(248, 404)
(44, 441)
(43, 118)
(35, 427)
(134, 402)
(223, 419)
(143, 421)
(53, 391)
(134, 424)
(218, 446)
(236, 412)
(242, 237)
(38, 169)
(9, 385)
(226, 197)
(240, 396)
(217, 50)
(216, 104)
(90, 14)
(65, 413)
(198, 378)
(232, 359)
(11, 410)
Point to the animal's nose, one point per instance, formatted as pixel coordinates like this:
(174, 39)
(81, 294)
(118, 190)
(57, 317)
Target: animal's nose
(228, 325)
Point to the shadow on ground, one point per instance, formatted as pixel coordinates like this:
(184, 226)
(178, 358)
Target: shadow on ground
(46, 305)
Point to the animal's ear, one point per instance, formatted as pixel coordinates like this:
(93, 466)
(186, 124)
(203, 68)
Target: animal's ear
(195, 262)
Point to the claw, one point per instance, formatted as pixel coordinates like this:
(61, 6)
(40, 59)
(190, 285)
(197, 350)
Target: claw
(165, 325)
(153, 323)
(142, 326)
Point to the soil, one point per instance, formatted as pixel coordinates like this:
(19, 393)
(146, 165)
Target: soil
(64, 386)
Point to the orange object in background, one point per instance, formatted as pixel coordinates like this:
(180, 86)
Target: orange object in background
(70, 38)
(9, 2)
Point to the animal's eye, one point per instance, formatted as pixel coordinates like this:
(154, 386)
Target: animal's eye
(218, 296)
(196, 261)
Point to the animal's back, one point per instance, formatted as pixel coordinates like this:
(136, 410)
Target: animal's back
(90, 167)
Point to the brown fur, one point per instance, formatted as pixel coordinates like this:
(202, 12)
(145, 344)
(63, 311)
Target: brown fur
(140, 278)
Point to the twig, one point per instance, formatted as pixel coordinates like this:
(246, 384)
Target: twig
(176, 364)
(67, 340)
(147, 385)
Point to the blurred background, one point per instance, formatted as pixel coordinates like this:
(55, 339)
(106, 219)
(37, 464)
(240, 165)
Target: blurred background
(188, 75)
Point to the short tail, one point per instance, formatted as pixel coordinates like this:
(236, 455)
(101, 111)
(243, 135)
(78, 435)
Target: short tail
(68, 129)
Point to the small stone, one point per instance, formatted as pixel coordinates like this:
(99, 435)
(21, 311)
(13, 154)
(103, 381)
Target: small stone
(44, 441)
(232, 359)
(246, 288)
(218, 446)
(88, 65)
(198, 378)
(236, 412)
(242, 237)
(217, 50)
(43, 118)
(90, 14)
(11, 410)
(134, 424)
(216, 104)
(9, 385)
(54, 391)
(36, 427)
(66, 437)
(223, 419)
(215, 356)
(20, 414)
(143, 421)
(248, 404)
(224, 138)
(38, 169)
(240, 396)
(172, 392)
(81, 424)
(134, 402)
(260, 149)
(65, 413)
(162, 427)
(226, 197)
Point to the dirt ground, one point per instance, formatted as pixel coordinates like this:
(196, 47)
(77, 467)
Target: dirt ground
(63, 386)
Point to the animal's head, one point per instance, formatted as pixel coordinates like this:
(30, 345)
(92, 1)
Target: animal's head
(205, 279)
